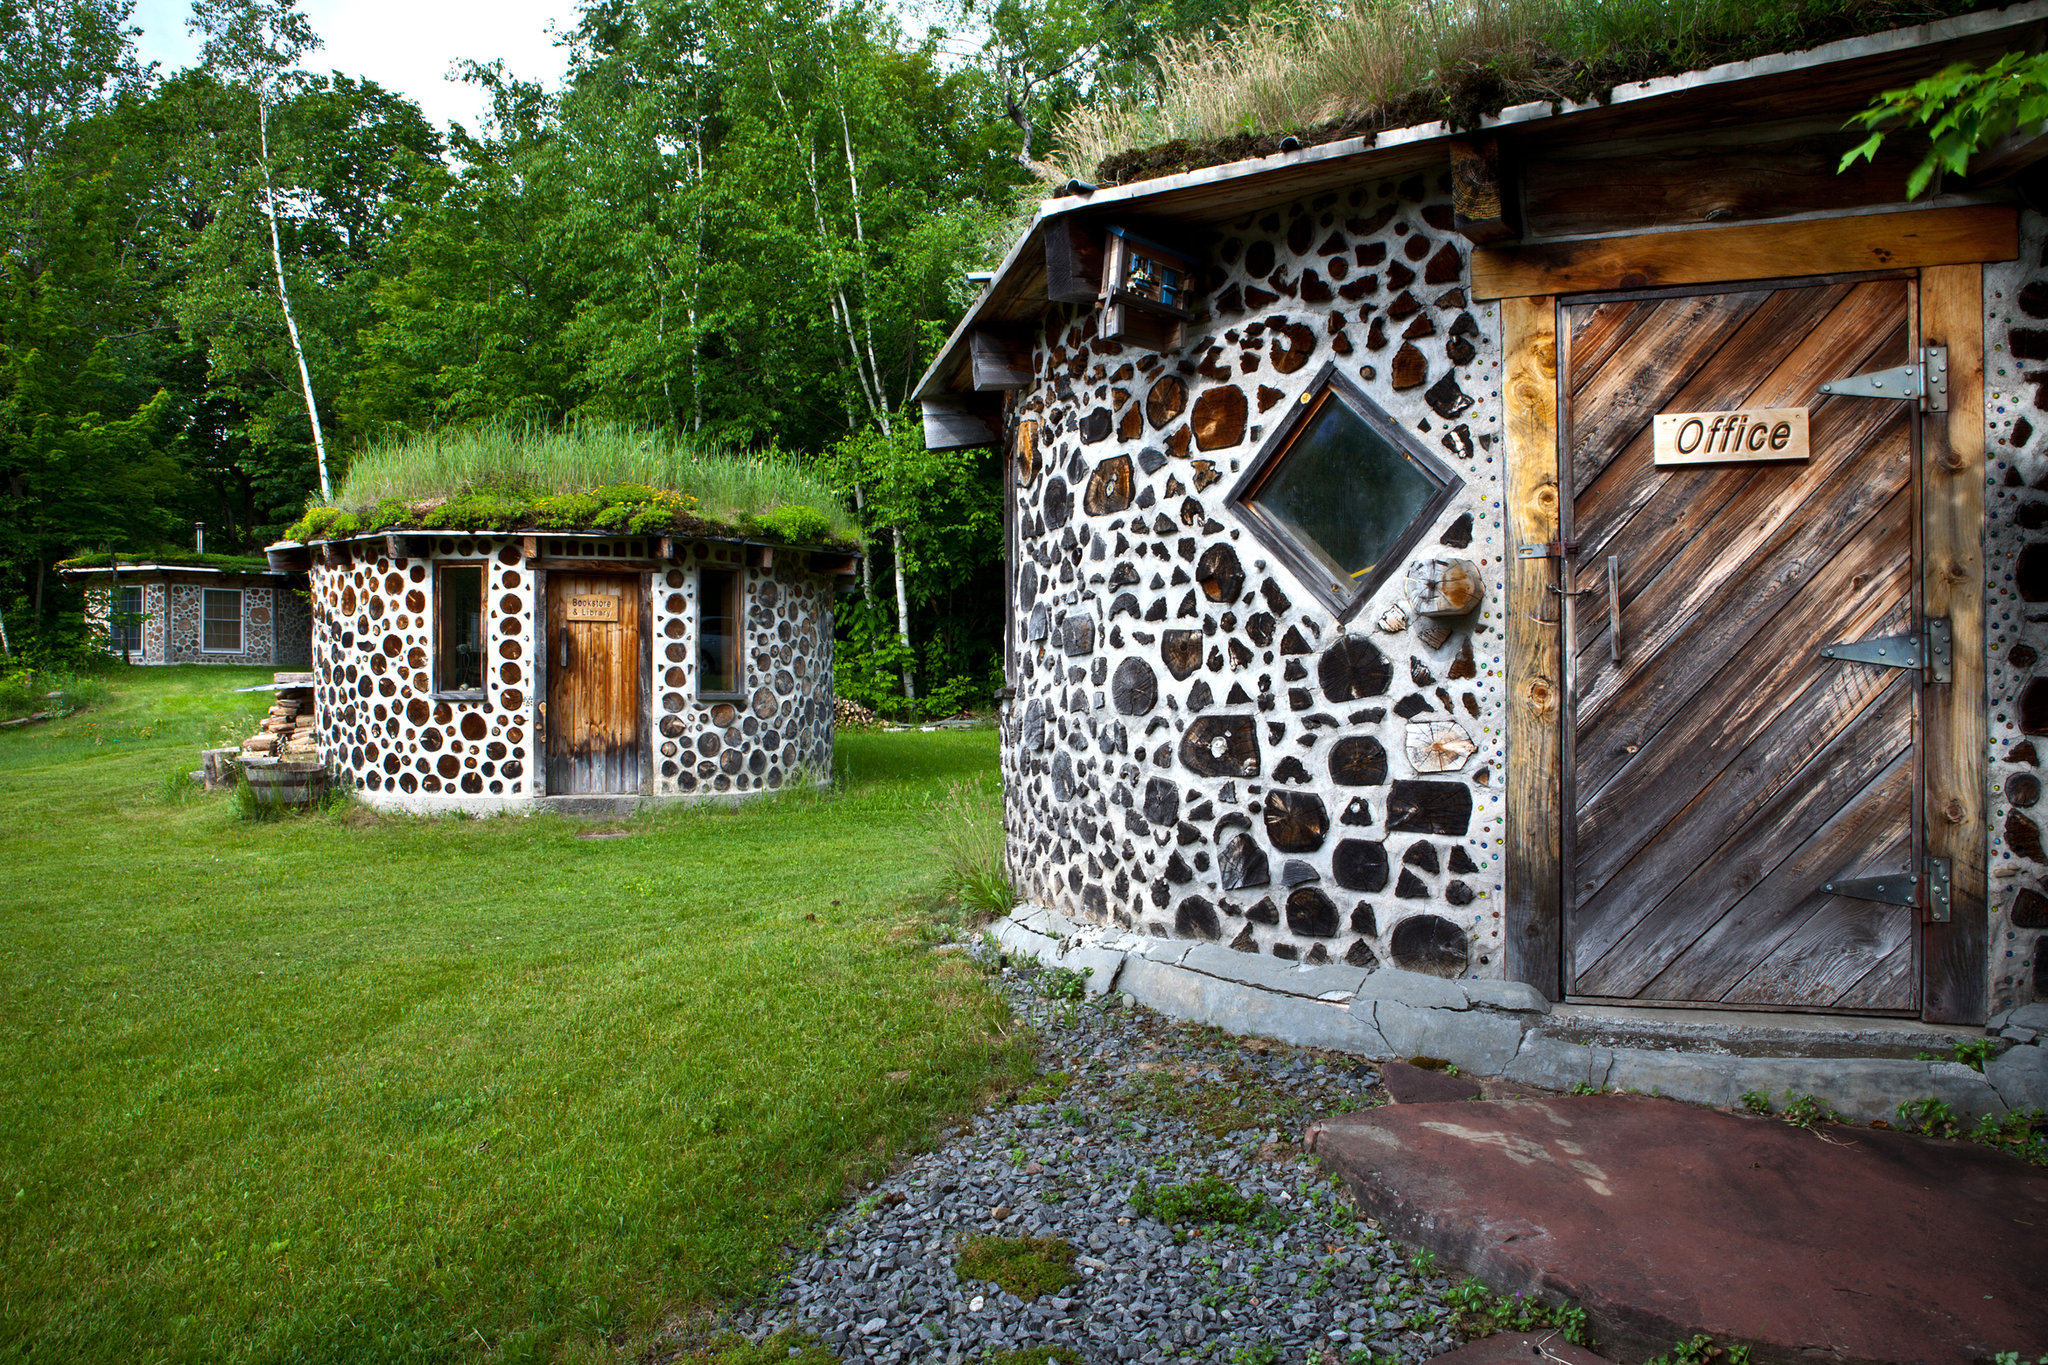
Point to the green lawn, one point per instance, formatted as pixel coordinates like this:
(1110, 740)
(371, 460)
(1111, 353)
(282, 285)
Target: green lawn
(348, 1087)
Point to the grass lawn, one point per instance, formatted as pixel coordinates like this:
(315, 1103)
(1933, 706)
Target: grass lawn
(347, 1087)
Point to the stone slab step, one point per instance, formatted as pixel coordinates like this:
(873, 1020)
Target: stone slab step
(1663, 1221)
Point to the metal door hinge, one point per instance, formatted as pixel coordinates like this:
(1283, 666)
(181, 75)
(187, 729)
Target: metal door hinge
(1547, 549)
(1901, 888)
(1925, 381)
(1937, 890)
(1931, 649)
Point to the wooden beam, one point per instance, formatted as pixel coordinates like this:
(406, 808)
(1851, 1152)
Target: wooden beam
(1073, 261)
(951, 422)
(1533, 932)
(1001, 358)
(822, 562)
(529, 548)
(1477, 200)
(1957, 954)
(1997, 164)
(760, 556)
(1759, 251)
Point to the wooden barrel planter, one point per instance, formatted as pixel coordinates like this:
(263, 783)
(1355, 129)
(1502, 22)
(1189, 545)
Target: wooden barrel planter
(278, 783)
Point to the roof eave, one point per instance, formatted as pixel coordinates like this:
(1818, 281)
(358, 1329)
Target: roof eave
(1369, 153)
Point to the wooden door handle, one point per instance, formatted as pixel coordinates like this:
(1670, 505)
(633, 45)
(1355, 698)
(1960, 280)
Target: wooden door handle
(565, 649)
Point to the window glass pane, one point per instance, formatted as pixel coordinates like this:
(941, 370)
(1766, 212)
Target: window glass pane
(125, 631)
(718, 644)
(223, 620)
(460, 630)
(1344, 493)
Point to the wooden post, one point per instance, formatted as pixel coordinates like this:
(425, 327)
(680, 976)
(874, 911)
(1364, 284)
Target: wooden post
(1533, 925)
(1478, 202)
(1956, 958)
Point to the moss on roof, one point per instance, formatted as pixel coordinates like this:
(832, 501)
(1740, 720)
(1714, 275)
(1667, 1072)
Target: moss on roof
(592, 478)
(1379, 64)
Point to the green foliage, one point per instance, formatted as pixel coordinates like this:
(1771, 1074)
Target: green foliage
(1701, 1350)
(1962, 110)
(794, 523)
(179, 787)
(1481, 1312)
(968, 820)
(27, 691)
(1806, 1111)
(1064, 984)
(1974, 1052)
(1033, 1355)
(1207, 1199)
(780, 1348)
(1258, 1353)
(1757, 1101)
(2023, 1132)
(1931, 1116)
(1024, 1266)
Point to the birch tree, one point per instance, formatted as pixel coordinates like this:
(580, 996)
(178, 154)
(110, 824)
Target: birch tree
(257, 44)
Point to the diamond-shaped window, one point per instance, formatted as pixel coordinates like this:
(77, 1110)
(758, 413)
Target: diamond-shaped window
(1341, 493)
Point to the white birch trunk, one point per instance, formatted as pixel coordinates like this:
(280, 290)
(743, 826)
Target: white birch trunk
(284, 298)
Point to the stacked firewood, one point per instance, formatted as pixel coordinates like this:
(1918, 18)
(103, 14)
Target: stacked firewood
(288, 730)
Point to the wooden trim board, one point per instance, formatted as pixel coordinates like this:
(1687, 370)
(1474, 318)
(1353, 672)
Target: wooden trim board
(1955, 956)
(1755, 251)
(1533, 924)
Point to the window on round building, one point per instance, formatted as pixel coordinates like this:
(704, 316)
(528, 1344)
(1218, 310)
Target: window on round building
(1341, 493)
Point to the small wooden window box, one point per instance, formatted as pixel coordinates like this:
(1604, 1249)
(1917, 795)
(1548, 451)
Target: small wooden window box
(1145, 291)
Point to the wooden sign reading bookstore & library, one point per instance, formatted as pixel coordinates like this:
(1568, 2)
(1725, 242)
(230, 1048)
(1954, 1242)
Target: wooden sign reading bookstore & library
(1681, 438)
(596, 606)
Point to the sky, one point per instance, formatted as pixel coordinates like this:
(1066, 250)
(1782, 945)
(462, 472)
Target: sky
(404, 45)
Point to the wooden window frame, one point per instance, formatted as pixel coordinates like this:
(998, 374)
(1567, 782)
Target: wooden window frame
(1329, 385)
(737, 604)
(1955, 956)
(241, 624)
(442, 692)
(116, 635)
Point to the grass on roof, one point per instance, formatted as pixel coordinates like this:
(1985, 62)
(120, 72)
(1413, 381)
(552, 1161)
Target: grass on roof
(1356, 66)
(590, 477)
(184, 559)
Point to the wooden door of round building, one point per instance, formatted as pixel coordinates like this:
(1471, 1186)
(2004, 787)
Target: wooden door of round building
(594, 736)
(1743, 754)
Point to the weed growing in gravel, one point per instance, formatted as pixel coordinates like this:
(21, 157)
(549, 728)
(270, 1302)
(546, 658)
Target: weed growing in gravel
(783, 1348)
(1205, 1199)
(1481, 1313)
(1024, 1266)
(1064, 983)
(1034, 1355)
(1805, 1111)
(2024, 1133)
(1265, 1353)
(1971, 1052)
(1701, 1350)
(1046, 1089)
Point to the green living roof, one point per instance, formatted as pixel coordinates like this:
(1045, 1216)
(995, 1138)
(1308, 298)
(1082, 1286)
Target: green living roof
(592, 478)
(168, 559)
(1363, 66)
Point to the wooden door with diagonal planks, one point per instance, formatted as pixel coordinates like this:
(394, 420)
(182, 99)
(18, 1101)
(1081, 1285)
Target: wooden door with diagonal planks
(1720, 774)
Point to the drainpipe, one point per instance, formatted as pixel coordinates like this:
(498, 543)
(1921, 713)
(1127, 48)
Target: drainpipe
(200, 528)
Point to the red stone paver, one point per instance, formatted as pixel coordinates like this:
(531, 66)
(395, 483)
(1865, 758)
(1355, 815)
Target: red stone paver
(1663, 1220)
(1417, 1085)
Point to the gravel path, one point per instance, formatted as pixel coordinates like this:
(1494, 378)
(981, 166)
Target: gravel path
(1125, 1096)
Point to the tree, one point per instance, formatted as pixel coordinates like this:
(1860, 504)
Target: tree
(1963, 110)
(258, 43)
